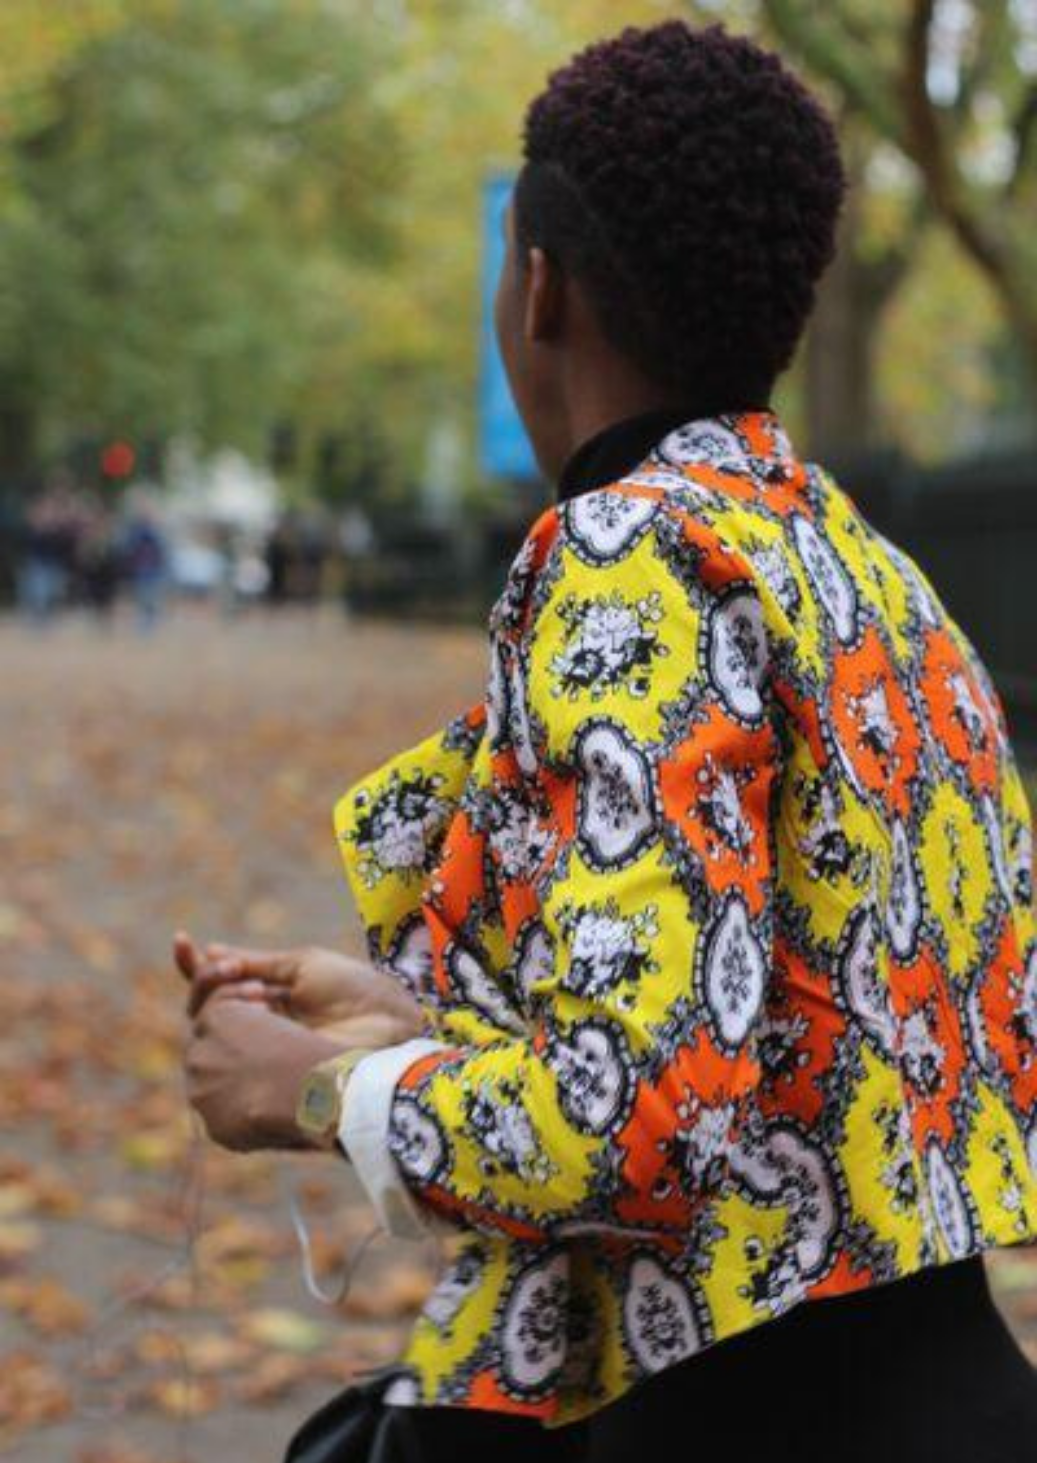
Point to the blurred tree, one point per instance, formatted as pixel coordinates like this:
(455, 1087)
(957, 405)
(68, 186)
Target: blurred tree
(194, 181)
(951, 85)
(880, 230)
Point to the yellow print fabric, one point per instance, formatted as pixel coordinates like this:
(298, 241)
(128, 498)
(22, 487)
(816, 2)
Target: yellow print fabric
(722, 904)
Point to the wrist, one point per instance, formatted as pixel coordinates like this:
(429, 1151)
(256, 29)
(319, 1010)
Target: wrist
(280, 1102)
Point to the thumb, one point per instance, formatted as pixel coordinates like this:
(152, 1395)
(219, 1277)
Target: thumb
(186, 954)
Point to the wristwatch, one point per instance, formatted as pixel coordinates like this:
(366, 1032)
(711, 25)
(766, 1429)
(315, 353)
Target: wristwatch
(319, 1108)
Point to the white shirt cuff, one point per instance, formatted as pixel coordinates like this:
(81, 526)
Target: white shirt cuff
(363, 1134)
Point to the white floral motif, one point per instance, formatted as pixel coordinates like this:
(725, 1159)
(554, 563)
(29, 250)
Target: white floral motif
(772, 564)
(734, 973)
(605, 525)
(1020, 861)
(658, 1316)
(592, 1078)
(699, 1147)
(966, 711)
(718, 805)
(477, 988)
(782, 1167)
(518, 840)
(410, 958)
(904, 900)
(460, 1280)
(616, 813)
(533, 1328)
(505, 1131)
(1023, 1022)
(949, 1203)
(996, 843)
(605, 947)
(508, 611)
(922, 1056)
(832, 583)
(706, 441)
(394, 830)
(534, 959)
(518, 720)
(611, 644)
(415, 1140)
(877, 731)
(738, 653)
(866, 992)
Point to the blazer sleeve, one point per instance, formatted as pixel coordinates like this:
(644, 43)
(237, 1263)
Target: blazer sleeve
(390, 826)
(638, 679)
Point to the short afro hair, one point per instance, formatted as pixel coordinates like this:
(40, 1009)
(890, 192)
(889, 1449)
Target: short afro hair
(693, 185)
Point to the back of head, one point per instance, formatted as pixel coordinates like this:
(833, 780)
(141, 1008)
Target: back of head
(693, 185)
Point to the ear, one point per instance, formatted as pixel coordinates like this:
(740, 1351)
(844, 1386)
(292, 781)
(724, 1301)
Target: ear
(545, 297)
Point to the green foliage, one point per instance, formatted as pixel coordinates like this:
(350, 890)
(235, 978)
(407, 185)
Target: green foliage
(217, 216)
(178, 228)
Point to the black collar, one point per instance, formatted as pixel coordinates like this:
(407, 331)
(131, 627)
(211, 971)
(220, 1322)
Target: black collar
(619, 448)
(616, 450)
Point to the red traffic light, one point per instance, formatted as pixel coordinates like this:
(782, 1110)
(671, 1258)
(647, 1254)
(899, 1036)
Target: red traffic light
(118, 460)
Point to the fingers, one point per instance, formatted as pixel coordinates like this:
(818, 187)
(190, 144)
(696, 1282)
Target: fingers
(186, 954)
(241, 990)
(277, 967)
(222, 981)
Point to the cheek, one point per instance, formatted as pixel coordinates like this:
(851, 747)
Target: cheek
(503, 320)
(511, 342)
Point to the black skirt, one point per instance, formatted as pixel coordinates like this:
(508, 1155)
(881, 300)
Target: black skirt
(922, 1370)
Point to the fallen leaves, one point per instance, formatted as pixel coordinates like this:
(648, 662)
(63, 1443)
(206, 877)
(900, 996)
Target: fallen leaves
(400, 1292)
(31, 1392)
(18, 1238)
(284, 1330)
(46, 1305)
(187, 781)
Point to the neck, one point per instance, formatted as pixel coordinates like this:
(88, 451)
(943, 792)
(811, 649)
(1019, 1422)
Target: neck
(596, 399)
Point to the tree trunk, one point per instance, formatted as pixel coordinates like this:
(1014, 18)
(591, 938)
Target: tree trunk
(840, 397)
(17, 445)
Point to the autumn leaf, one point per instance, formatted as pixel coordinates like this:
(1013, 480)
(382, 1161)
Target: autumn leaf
(31, 1392)
(400, 1292)
(183, 1396)
(271, 1378)
(46, 1305)
(283, 1330)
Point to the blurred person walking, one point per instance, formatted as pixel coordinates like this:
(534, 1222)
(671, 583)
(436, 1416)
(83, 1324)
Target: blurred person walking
(98, 562)
(145, 557)
(700, 1013)
(48, 547)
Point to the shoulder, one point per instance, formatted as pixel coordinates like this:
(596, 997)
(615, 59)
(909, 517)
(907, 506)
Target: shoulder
(625, 607)
(647, 529)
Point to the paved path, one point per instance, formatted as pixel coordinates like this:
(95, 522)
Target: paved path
(147, 784)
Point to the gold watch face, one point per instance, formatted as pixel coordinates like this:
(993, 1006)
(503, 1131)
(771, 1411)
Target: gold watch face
(318, 1103)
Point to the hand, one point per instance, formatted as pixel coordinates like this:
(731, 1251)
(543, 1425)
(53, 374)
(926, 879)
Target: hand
(244, 1067)
(322, 989)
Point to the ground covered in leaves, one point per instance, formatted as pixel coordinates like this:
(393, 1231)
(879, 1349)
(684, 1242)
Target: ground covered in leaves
(152, 1308)
(185, 780)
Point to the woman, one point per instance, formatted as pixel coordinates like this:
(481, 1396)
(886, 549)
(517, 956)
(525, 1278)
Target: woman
(715, 918)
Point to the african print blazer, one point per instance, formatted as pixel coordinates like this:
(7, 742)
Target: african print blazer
(720, 905)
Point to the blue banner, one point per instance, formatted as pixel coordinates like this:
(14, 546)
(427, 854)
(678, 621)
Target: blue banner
(504, 448)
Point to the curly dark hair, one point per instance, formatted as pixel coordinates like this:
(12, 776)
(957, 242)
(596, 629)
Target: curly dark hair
(693, 185)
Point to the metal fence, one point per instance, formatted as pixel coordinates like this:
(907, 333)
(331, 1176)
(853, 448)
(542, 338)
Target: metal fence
(972, 526)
